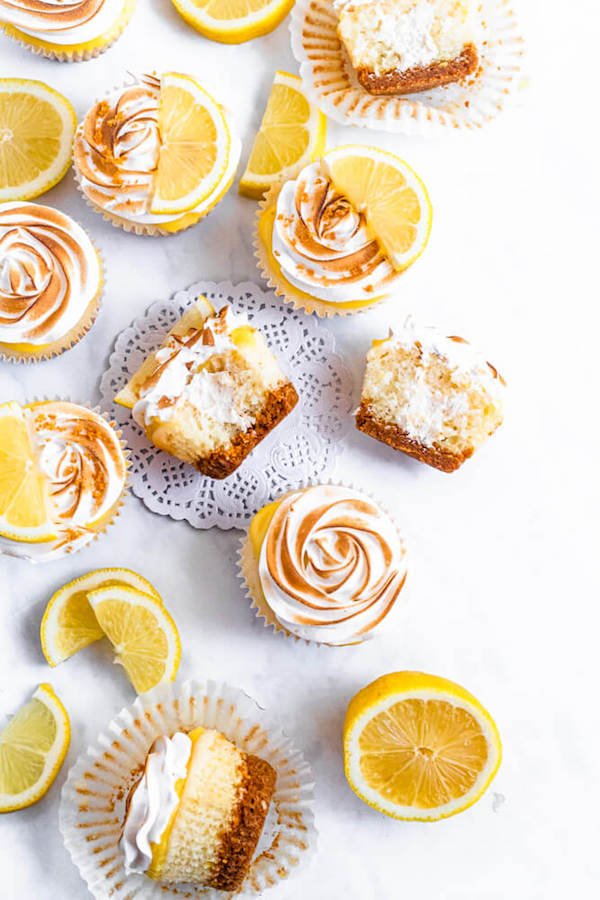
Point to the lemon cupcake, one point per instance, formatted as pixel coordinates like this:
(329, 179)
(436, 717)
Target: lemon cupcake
(67, 32)
(325, 563)
(62, 478)
(155, 155)
(50, 281)
(336, 239)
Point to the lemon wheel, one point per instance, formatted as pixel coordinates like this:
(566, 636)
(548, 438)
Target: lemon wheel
(233, 21)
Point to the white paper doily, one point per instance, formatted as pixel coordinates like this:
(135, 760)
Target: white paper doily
(303, 446)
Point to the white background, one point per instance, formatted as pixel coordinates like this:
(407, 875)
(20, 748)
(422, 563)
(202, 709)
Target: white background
(500, 596)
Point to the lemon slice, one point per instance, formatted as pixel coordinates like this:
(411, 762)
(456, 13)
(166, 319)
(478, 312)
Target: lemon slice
(69, 623)
(23, 493)
(291, 135)
(195, 145)
(37, 125)
(32, 748)
(142, 632)
(391, 195)
(419, 747)
(233, 21)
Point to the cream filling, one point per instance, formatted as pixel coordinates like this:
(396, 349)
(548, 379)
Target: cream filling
(154, 800)
(62, 33)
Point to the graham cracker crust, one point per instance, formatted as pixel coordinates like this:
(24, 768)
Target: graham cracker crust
(420, 78)
(399, 440)
(238, 842)
(222, 462)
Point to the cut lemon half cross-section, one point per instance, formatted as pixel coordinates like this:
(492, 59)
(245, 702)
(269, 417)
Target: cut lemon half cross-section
(419, 747)
(392, 197)
(70, 624)
(233, 21)
(291, 135)
(32, 748)
(24, 514)
(195, 145)
(142, 632)
(37, 125)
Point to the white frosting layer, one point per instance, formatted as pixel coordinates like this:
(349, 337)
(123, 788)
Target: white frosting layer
(331, 565)
(322, 244)
(62, 23)
(49, 274)
(154, 799)
(180, 381)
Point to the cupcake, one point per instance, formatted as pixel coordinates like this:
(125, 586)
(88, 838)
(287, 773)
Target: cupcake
(62, 478)
(155, 155)
(197, 811)
(67, 32)
(336, 239)
(435, 398)
(50, 281)
(407, 46)
(211, 392)
(325, 564)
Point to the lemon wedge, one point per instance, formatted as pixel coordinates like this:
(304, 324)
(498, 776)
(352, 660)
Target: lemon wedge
(32, 748)
(291, 135)
(195, 146)
(37, 125)
(69, 623)
(233, 21)
(142, 632)
(392, 196)
(419, 747)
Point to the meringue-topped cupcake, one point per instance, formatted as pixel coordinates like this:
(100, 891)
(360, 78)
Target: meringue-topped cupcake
(325, 564)
(69, 32)
(155, 155)
(50, 281)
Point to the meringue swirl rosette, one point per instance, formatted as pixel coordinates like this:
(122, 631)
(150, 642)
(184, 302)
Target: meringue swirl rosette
(331, 564)
(50, 280)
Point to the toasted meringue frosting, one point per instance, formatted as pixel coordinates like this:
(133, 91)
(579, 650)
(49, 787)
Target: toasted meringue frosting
(331, 565)
(81, 457)
(154, 799)
(117, 148)
(49, 274)
(62, 23)
(322, 244)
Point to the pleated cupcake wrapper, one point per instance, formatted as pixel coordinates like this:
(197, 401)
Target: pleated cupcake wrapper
(285, 289)
(92, 806)
(94, 534)
(75, 334)
(330, 81)
(249, 575)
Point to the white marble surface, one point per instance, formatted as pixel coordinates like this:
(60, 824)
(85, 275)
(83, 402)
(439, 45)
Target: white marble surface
(500, 595)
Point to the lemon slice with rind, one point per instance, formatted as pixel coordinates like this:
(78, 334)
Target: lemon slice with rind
(69, 623)
(143, 634)
(37, 125)
(391, 195)
(419, 747)
(32, 748)
(291, 135)
(233, 21)
(195, 146)
(24, 513)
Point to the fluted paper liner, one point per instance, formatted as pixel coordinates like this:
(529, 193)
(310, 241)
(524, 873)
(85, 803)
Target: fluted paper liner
(74, 335)
(330, 81)
(113, 35)
(283, 288)
(60, 552)
(92, 806)
(249, 575)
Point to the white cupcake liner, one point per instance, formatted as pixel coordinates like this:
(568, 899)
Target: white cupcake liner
(330, 81)
(75, 334)
(18, 549)
(248, 569)
(92, 805)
